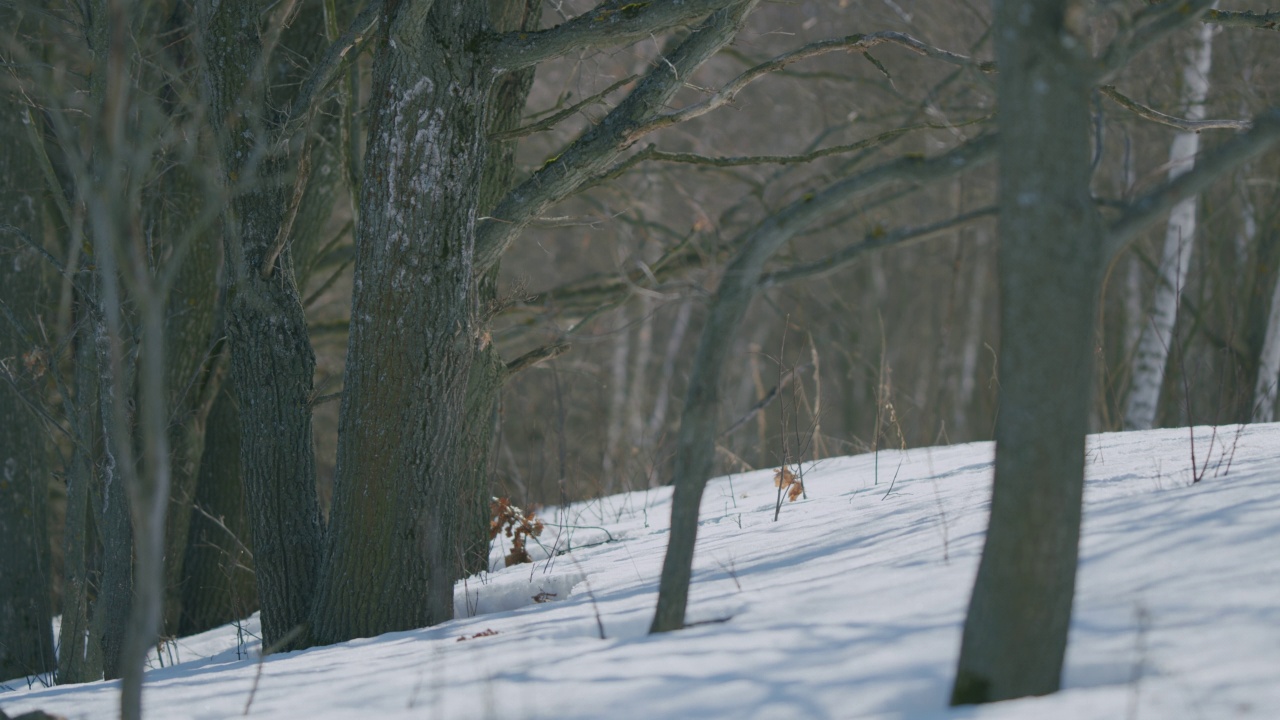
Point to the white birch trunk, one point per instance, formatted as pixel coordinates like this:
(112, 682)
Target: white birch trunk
(617, 403)
(1152, 353)
(639, 389)
(963, 412)
(1264, 394)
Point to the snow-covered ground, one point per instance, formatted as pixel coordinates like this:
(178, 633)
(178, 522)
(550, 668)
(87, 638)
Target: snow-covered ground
(849, 606)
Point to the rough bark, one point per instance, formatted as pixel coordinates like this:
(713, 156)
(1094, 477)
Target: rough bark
(488, 373)
(116, 348)
(1049, 258)
(390, 554)
(189, 376)
(220, 585)
(272, 362)
(80, 654)
(26, 632)
(1152, 353)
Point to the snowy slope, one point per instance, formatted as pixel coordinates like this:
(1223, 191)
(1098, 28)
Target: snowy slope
(849, 606)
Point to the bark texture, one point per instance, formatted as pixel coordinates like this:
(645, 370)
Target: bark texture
(26, 632)
(190, 379)
(80, 655)
(1050, 253)
(272, 362)
(488, 372)
(220, 585)
(393, 538)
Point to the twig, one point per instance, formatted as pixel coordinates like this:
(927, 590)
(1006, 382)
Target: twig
(551, 120)
(764, 402)
(294, 634)
(851, 43)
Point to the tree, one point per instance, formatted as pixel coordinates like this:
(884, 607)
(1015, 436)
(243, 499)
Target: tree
(741, 279)
(1151, 355)
(26, 631)
(1050, 254)
(1053, 247)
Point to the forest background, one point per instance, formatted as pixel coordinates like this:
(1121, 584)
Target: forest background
(875, 327)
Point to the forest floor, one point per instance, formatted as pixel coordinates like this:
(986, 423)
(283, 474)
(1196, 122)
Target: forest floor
(848, 605)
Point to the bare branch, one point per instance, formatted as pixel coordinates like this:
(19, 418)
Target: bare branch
(551, 120)
(1149, 26)
(535, 356)
(1243, 18)
(327, 66)
(651, 153)
(1176, 122)
(1209, 166)
(596, 149)
(613, 22)
(852, 43)
(875, 240)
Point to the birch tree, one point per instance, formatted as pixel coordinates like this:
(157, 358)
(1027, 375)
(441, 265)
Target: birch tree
(1264, 394)
(1150, 357)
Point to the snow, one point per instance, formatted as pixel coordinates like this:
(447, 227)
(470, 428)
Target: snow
(849, 606)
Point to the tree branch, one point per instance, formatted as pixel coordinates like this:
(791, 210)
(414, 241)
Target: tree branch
(1149, 26)
(851, 43)
(1176, 122)
(1209, 166)
(1243, 18)
(651, 153)
(783, 382)
(874, 240)
(323, 72)
(551, 120)
(596, 149)
(535, 356)
(613, 22)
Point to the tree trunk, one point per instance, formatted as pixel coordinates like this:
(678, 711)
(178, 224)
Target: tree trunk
(220, 585)
(272, 363)
(390, 557)
(1152, 354)
(488, 372)
(80, 652)
(695, 445)
(1049, 256)
(111, 510)
(1264, 394)
(26, 631)
(190, 379)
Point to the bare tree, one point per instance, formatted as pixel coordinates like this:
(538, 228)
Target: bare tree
(1053, 247)
(1150, 357)
(26, 631)
(1050, 252)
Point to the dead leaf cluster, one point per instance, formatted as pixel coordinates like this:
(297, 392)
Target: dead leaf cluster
(516, 524)
(789, 483)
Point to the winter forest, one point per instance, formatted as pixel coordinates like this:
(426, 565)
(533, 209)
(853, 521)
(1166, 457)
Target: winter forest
(320, 317)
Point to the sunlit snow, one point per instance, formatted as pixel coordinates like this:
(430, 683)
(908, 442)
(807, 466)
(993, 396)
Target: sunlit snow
(849, 606)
